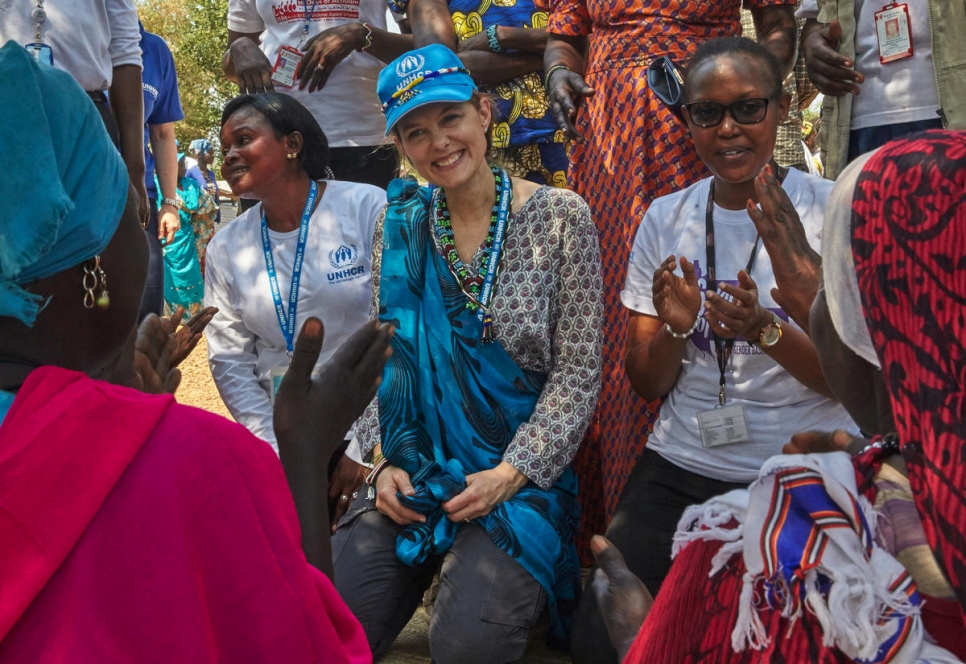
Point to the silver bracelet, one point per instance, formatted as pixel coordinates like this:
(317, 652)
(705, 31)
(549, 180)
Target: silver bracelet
(667, 326)
(173, 202)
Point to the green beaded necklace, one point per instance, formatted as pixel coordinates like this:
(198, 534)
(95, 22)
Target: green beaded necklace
(469, 284)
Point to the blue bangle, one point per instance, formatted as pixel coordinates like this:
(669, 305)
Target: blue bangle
(492, 40)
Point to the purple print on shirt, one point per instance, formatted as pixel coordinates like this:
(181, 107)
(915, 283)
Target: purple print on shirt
(702, 337)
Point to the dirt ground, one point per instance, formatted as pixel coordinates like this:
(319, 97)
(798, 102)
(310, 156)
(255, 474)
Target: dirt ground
(197, 386)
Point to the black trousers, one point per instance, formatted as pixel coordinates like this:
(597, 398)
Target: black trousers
(642, 528)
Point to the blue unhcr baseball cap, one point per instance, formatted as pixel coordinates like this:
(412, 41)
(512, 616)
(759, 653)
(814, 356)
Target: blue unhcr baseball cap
(424, 76)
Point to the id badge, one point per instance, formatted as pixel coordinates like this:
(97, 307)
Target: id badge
(723, 426)
(277, 374)
(894, 33)
(41, 52)
(286, 66)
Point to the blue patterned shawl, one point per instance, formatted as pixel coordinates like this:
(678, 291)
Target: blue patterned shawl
(449, 405)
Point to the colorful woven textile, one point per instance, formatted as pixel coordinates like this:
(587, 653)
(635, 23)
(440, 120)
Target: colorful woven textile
(909, 239)
(525, 136)
(634, 151)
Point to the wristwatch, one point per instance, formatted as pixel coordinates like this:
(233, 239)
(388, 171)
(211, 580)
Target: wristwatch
(173, 202)
(771, 334)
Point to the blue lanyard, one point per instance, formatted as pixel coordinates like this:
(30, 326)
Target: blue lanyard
(308, 21)
(287, 322)
(503, 215)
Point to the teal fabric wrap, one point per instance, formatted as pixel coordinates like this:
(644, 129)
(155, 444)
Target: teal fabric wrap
(64, 183)
(450, 404)
(184, 284)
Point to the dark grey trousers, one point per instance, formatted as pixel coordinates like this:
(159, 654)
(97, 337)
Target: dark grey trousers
(487, 602)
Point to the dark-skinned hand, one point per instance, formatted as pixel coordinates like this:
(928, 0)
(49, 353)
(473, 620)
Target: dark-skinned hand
(153, 349)
(566, 89)
(821, 442)
(622, 599)
(253, 71)
(346, 479)
(676, 299)
(796, 265)
(831, 72)
(317, 410)
(188, 335)
(325, 51)
(742, 316)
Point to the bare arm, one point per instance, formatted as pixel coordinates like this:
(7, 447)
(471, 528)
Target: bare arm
(165, 149)
(745, 317)
(563, 60)
(127, 103)
(245, 64)
(654, 357)
(778, 32)
(431, 23)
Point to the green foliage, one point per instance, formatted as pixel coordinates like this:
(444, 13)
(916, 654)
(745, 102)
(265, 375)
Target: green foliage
(197, 33)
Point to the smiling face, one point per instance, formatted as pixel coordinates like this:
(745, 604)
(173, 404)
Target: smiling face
(446, 142)
(735, 152)
(254, 158)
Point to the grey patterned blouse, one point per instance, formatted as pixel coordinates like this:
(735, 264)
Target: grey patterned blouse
(547, 314)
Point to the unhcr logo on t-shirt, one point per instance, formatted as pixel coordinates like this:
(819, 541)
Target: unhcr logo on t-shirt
(343, 259)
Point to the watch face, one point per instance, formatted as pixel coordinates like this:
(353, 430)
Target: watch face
(771, 334)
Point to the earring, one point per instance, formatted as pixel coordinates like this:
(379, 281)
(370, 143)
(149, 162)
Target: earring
(292, 155)
(94, 278)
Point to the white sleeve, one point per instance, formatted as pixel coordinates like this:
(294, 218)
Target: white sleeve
(243, 17)
(231, 352)
(807, 9)
(125, 47)
(644, 261)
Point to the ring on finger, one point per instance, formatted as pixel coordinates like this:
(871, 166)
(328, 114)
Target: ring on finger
(320, 67)
(344, 498)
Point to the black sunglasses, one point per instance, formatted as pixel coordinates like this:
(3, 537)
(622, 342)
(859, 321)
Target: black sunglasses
(743, 111)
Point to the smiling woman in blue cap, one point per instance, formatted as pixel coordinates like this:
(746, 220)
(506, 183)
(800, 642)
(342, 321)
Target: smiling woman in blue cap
(493, 285)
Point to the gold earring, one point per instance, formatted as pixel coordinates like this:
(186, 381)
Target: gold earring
(94, 278)
(292, 155)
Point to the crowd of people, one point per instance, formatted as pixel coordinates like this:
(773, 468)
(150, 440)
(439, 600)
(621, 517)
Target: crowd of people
(515, 292)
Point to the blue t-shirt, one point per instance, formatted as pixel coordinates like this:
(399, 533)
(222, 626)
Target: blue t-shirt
(161, 102)
(208, 183)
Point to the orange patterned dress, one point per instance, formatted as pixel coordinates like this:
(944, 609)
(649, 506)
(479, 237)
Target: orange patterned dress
(635, 150)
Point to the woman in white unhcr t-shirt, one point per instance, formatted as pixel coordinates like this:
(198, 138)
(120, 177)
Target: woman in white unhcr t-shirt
(709, 440)
(274, 151)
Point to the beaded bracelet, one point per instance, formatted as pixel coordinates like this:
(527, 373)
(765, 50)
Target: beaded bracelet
(493, 40)
(667, 326)
(368, 38)
(551, 72)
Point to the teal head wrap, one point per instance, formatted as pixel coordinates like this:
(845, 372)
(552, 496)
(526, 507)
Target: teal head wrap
(64, 183)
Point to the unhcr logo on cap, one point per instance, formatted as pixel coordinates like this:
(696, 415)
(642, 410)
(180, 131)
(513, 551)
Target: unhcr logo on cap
(410, 64)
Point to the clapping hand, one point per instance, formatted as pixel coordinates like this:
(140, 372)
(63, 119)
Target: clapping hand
(796, 265)
(742, 316)
(154, 347)
(677, 299)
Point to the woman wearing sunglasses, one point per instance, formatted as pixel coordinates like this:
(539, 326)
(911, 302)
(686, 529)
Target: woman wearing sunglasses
(705, 329)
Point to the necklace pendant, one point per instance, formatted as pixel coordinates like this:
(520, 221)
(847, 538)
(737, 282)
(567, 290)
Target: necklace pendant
(489, 336)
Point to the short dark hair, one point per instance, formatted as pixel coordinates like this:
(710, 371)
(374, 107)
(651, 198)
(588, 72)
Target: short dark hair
(734, 46)
(286, 116)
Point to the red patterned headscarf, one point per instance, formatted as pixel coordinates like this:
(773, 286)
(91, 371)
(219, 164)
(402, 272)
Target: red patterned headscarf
(909, 247)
